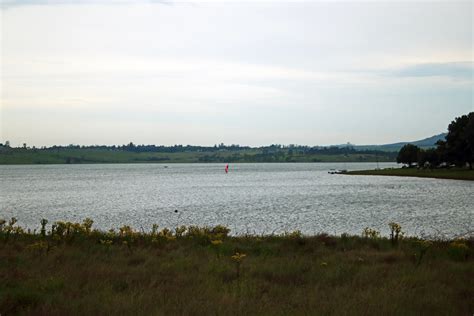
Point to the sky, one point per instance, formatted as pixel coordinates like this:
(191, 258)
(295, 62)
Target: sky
(249, 72)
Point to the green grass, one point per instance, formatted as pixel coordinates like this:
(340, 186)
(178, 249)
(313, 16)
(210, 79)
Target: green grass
(161, 273)
(454, 174)
(85, 156)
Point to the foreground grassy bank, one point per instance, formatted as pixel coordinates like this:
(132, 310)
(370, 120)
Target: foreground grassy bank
(454, 174)
(74, 270)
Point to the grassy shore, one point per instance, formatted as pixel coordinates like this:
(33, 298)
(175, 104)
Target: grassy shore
(74, 270)
(94, 156)
(454, 174)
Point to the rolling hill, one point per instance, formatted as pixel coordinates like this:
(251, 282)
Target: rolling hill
(423, 143)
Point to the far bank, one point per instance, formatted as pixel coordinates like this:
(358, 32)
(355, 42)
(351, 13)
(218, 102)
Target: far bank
(452, 174)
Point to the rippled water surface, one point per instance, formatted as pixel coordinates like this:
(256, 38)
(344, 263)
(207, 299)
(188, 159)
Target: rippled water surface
(253, 198)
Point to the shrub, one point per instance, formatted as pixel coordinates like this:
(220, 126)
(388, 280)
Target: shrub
(370, 233)
(396, 233)
(458, 250)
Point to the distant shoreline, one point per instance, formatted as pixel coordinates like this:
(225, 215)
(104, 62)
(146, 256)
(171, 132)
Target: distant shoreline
(448, 174)
(191, 162)
(191, 155)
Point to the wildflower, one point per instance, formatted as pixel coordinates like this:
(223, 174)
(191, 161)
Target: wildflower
(395, 232)
(238, 257)
(12, 221)
(43, 227)
(216, 242)
(458, 249)
(106, 242)
(111, 233)
(220, 231)
(179, 231)
(87, 224)
(370, 233)
(41, 245)
(167, 234)
(154, 229)
(126, 231)
(170, 237)
(459, 244)
(424, 243)
(293, 235)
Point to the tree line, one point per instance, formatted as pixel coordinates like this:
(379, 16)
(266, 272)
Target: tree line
(457, 149)
(274, 149)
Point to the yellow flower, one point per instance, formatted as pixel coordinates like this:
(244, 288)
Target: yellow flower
(459, 244)
(38, 246)
(216, 242)
(238, 257)
(424, 244)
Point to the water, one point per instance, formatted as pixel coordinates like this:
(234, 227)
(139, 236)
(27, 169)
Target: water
(251, 198)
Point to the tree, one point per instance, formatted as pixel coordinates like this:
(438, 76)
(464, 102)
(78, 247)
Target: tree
(130, 147)
(408, 154)
(429, 156)
(459, 148)
(470, 139)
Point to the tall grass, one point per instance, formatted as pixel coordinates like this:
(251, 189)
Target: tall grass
(73, 269)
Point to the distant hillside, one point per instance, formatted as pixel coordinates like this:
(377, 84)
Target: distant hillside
(424, 143)
(132, 153)
(430, 141)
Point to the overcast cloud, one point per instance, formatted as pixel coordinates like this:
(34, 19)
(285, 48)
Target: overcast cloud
(252, 73)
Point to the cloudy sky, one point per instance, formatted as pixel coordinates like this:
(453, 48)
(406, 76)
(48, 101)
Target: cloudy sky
(247, 72)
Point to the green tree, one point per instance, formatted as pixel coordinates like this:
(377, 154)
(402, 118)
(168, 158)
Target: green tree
(470, 139)
(430, 156)
(460, 141)
(408, 154)
(441, 150)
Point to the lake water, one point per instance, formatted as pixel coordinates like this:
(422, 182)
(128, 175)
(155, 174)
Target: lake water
(251, 198)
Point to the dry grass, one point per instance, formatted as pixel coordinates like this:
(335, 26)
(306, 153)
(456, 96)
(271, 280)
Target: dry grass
(189, 275)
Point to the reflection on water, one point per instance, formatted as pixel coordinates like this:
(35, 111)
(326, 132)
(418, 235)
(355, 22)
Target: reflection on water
(251, 198)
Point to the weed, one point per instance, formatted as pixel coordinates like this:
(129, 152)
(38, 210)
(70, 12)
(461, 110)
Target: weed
(43, 227)
(396, 233)
(370, 233)
(238, 258)
(90, 273)
(422, 247)
(458, 249)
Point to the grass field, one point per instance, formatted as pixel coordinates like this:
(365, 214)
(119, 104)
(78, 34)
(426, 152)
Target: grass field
(454, 174)
(73, 270)
(84, 156)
